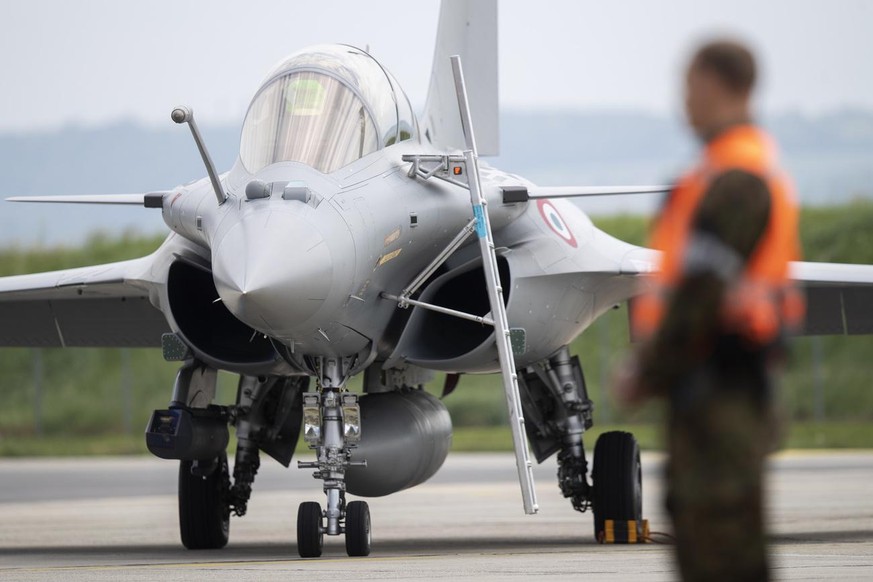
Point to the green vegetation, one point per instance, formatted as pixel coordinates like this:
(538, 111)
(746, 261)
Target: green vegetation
(98, 400)
(799, 435)
(499, 438)
(72, 446)
(98, 249)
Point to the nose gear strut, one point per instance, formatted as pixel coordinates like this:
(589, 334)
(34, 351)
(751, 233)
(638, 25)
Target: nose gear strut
(332, 428)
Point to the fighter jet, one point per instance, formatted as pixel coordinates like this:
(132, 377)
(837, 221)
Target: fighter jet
(352, 237)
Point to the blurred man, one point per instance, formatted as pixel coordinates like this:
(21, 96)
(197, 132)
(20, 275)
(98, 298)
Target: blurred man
(714, 322)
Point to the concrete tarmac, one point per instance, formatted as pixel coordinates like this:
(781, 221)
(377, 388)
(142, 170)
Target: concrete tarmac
(115, 519)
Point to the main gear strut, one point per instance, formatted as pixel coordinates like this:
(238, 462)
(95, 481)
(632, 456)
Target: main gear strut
(556, 401)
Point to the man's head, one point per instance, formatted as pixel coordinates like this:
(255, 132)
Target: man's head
(719, 84)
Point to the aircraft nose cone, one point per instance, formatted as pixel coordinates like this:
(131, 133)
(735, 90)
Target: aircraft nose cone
(273, 271)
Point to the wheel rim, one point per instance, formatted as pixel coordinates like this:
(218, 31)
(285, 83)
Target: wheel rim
(320, 534)
(367, 534)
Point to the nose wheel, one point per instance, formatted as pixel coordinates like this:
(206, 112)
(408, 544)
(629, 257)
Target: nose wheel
(358, 535)
(310, 532)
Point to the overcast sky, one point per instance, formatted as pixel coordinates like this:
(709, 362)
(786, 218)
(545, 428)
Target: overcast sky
(97, 61)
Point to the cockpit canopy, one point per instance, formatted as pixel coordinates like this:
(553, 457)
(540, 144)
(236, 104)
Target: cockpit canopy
(326, 107)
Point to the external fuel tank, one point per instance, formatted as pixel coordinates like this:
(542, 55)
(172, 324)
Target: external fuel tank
(405, 438)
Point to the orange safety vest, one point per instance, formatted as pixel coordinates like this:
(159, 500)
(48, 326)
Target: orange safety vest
(763, 302)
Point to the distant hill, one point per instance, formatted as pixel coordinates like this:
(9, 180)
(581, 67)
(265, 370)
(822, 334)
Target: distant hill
(831, 157)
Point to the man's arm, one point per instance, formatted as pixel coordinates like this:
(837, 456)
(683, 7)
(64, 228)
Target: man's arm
(730, 222)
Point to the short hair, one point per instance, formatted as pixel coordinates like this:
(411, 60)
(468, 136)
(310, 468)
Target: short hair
(731, 61)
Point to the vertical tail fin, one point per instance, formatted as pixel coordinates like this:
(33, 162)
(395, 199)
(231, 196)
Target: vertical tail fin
(467, 28)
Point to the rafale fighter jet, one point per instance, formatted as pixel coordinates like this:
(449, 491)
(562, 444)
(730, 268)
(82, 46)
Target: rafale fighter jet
(351, 237)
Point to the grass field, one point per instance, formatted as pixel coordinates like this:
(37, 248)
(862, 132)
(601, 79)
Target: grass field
(799, 435)
(98, 400)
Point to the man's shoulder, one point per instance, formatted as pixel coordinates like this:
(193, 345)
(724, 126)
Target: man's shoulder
(745, 147)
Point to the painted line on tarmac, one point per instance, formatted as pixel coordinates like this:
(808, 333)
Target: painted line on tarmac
(298, 561)
(238, 563)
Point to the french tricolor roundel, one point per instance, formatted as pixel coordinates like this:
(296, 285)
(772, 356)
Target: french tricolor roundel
(555, 221)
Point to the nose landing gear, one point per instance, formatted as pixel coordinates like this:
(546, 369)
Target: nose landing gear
(332, 427)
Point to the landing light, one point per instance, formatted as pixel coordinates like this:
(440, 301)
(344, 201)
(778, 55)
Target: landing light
(312, 418)
(351, 418)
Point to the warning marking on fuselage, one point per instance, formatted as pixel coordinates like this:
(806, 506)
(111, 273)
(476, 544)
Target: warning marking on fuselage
(387, 257)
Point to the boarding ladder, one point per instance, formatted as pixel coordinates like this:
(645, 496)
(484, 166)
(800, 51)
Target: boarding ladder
(463, 171)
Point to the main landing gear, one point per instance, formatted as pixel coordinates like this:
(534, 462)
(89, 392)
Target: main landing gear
(618, 480)
(557, 412)
(204, 516)
(332, 427)
(267, 417)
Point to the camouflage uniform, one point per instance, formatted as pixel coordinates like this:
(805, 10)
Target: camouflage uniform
(718, 435)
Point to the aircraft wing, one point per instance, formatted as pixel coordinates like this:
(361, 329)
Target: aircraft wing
(839, 298)
(100, 306)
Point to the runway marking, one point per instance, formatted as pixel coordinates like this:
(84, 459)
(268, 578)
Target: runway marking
(794, 453)
(238, 563)
(372, 560)
(593, 550)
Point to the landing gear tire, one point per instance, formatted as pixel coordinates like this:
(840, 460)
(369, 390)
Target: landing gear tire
(358, 536)
(617, 475)
(204, 516)
(310, 533)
